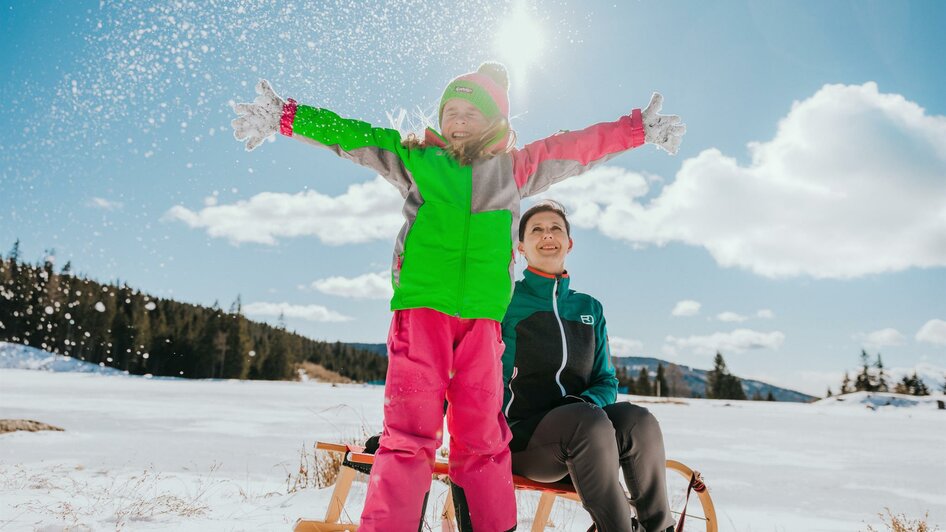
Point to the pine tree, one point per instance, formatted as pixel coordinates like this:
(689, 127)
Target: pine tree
(734, 389)
(716, 382)
(660, 382)
(881, 379)
(903, 386)
(238, 341)
(770, 397)
(677, 385)
(276, 365)
(829, 394)
(237, 306)
(714, 378)
(629, 382)
(919, 387)
(720, 384)
(624, 381)
(864, 380)
(642, 386)
(14, 255)
(122, 338)
(206, 354)
(141, 325)
(846, 384)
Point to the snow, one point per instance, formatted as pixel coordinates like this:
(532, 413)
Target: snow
(158, 454)
(876, 400)
(14, 356)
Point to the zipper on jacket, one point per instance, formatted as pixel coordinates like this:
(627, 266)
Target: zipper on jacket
(561, 328)
(512, 394)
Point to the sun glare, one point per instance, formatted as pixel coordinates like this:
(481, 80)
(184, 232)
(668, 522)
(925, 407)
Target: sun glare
(520, 40)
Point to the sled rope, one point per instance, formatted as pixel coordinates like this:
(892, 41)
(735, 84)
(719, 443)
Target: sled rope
(696, 484)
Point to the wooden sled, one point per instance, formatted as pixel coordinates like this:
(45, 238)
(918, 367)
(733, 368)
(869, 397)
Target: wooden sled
(698, 517)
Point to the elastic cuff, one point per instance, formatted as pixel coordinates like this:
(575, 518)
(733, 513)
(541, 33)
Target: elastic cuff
(288, 116)
(637, 128)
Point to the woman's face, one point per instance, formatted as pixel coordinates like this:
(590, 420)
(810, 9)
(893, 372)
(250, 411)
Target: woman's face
(545, 243)
(462, 121)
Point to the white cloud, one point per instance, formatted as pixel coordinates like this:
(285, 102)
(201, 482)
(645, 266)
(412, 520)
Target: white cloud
(851, 184)
(687, 307)
(737, 341)
(932, 332)
(366, 211)
(765, 314)
(304, 312)
(102, 203)
(731, 317)
(812, 382)
(881, 338)
(590, 194)
(930, 374)
(625, 347)
(367, 286)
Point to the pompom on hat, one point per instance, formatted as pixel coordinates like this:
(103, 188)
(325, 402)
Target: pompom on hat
(487, 89)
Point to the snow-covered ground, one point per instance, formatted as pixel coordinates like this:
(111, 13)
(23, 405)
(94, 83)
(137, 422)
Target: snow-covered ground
(160, 454)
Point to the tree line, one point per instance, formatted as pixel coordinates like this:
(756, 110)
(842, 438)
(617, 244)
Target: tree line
(117, 326)
(872, 377)
(669, 382)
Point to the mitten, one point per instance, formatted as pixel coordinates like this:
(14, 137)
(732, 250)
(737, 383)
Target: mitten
(258, 120)
(664, 131)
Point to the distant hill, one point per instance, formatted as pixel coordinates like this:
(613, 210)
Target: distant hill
(115, 326)
(694, 378)
(18, 356)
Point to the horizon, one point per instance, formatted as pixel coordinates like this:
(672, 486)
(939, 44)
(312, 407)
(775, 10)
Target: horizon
(803, 220)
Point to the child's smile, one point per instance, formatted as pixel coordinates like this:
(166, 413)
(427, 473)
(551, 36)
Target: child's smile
(461, 121)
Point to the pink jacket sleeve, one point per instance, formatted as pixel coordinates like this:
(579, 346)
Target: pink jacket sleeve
(544, 162)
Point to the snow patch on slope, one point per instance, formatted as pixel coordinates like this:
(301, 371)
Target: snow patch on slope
(16, 356)
(876, 400)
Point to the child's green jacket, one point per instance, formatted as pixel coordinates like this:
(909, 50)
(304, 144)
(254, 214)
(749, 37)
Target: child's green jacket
(454, 253)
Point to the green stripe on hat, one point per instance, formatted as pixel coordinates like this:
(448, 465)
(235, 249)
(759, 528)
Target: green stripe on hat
(473, 93)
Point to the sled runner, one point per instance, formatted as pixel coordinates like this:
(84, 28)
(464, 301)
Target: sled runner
(689, 498)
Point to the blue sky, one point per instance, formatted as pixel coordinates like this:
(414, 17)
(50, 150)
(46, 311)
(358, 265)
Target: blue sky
(803, 219)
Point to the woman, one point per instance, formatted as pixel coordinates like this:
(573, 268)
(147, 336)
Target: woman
(560, 390)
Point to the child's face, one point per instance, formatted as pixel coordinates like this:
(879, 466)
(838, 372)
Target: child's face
(461, 121)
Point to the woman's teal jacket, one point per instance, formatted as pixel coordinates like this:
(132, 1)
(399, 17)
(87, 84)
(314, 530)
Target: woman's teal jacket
(556, 345)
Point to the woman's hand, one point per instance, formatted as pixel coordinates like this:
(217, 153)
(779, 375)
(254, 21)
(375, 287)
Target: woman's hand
(258, 120)
(664, 131)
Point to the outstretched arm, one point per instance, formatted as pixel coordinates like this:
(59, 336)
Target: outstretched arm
(545, 162)
(377, 148)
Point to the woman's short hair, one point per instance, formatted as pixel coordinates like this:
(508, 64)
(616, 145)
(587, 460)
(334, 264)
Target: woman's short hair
(543, 206)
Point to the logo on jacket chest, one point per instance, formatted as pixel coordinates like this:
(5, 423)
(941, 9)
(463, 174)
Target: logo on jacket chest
(587, 319)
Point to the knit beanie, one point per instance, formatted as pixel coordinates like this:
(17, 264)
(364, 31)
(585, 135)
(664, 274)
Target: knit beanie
(487, 89)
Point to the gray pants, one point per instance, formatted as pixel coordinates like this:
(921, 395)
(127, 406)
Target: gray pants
(587, 443)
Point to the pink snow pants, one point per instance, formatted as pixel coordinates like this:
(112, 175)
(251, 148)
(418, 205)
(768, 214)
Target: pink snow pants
(432, 356)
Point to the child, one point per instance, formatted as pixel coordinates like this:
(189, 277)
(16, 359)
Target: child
(452, 274)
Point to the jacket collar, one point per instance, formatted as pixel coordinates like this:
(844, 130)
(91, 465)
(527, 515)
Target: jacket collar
(433, 138)
(543, 283)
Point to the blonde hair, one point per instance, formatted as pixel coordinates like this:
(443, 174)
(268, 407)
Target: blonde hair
(481, 147)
